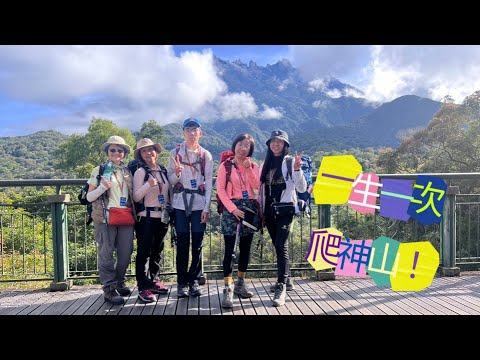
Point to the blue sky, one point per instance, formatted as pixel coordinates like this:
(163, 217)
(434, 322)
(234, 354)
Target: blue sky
(260, 54)
(62, 87)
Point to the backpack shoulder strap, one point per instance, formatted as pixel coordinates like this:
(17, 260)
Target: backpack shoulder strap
(203, 160)
(147, 171)
(228, 169)
(101, 169)
(202, 165)
(177, 150)
(289, 160)
(163, 170)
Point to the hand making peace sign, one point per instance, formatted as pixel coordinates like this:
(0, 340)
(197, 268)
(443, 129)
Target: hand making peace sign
(297, 165)
(178, 166)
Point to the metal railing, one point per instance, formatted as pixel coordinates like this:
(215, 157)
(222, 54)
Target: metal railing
(31, 250)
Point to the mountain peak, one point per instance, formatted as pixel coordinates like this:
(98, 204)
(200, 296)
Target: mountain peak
(284, 63)
(239, 62)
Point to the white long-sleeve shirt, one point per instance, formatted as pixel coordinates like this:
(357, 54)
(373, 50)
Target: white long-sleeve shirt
(150, 194)
(191, 172)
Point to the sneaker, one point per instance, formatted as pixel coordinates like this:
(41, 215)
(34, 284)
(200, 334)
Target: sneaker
(123, 290)
(110, 294)
(158, 288)
(195, 289)
(147, 296)
(182, 291)
(280, 294)
(227, 301)
(241, 289)
(290, 286)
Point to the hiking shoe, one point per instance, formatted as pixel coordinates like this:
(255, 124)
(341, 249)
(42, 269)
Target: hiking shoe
(290, 286)
(110, 294)
(158, 288)
(227, 301)
(147, 296)
(123, 290)
(195, 289)
(280, 294)
(182, 291)
(241, 289)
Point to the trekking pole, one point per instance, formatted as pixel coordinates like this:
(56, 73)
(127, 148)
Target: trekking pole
(203, 279)
(237, 240)
(260, 239)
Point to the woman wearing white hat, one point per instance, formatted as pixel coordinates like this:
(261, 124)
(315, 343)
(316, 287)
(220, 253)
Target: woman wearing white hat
(107, 192)
(153, 195)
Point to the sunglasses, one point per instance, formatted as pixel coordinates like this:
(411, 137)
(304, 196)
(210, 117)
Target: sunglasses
(120, 151)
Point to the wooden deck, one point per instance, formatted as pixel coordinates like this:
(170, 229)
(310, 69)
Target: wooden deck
(344, 296)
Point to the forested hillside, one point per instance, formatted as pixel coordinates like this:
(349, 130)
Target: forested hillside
(31, 156)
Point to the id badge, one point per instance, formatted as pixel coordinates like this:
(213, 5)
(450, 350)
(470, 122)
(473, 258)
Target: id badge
(245, 194)
(123, 201)
(193, 182)
(161, 199)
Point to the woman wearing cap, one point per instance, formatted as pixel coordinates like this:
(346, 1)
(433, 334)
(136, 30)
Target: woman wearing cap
(154, 194)
(114, 191)
(238, 196)
(277, 186)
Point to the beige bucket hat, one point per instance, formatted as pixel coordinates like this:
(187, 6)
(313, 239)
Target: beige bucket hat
(116, 140)
(144, 143)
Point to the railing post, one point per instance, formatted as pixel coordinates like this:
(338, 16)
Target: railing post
(325, 221)
(448, 235)
(60, 243)
(324, 216)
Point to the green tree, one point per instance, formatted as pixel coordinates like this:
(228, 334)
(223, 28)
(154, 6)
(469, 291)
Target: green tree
(81, 153)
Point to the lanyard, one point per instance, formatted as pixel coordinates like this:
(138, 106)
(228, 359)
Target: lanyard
(120, 184)
(158, 181)
(193, 169)
(240, 176)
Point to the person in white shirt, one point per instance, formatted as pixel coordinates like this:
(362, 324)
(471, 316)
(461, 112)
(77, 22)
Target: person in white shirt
(151, 197)
(190, 171)
(115, 191)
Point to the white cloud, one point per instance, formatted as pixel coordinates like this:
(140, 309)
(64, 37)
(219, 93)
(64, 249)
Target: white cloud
(317, 84)
(322, 85)
(269, 113)
(284, 84)
(322, 104)
(385, 72)
(230, 106)
(126, 84)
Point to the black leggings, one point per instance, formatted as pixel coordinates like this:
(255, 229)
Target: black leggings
(244, 245)
(150, 243)
(279, 230)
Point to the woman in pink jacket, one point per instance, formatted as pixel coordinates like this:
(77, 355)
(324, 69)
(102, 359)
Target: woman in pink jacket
(237, 183)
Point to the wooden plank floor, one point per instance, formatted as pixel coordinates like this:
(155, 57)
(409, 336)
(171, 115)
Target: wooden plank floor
(343, 296)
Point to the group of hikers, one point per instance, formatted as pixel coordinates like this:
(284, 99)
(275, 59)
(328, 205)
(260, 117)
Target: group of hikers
(146, 199)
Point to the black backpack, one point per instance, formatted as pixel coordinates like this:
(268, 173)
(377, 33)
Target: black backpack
(82, 196)
(133, 166)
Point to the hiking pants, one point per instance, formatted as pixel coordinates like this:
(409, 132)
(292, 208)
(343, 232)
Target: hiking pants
(279, 230)
(110, 238)
(150, 243)
(244, 245)
(184, 226)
